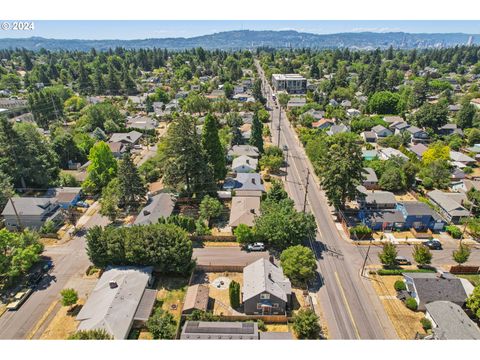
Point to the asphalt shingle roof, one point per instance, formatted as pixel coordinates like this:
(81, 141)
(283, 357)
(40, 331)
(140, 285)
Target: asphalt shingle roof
(263, 276)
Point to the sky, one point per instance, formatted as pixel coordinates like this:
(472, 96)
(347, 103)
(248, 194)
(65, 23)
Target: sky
(110, 29)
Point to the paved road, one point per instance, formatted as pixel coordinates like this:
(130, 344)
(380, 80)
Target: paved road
(70, 260)
(226, 256)
(350, 306)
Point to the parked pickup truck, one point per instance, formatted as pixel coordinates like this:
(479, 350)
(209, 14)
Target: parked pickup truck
(19, 299)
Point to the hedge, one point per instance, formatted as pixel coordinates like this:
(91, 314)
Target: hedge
(399, 285)
(401, 271)
(411, 303)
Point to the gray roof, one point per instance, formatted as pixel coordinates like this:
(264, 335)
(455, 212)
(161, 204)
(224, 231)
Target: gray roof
(219, 330)
(369, 135)
(418, 208)
(377, 196)
(392, 119)
(29, 206)
(385, 216)
(449, 202)
(452, 322)
(113, 308)
(160, 205)
(276, 335)
(130, 137)
(380, 128)
(262, 276)
(413, 130)
(369, 175)
(336, 129)
(142, 122)
(460, 157)
(248, 150)
(434, 287)
(244, 160)
(418, 149)
(249, 181)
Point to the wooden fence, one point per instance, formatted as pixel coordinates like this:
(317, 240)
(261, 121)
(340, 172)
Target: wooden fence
(269, 319)
(221, 268)
(460, 269)
(214, 238)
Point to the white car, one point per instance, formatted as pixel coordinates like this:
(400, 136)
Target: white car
(258, 246)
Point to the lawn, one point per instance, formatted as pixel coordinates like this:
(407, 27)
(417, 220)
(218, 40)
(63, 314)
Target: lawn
(63, 324)
(221, 297)
(474, 279)
(406, 322)
(171, 292)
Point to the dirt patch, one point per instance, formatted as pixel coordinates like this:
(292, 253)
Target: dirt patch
(63, 324)
(406, 322)
(220, 296)
(405, 197)
(277, 327)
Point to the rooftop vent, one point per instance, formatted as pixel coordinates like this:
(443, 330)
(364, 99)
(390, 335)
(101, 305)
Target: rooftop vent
(113, 284)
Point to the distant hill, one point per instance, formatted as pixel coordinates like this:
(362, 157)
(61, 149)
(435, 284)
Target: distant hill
(247, 39)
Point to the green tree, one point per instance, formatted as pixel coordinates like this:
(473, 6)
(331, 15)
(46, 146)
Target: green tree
(105, 116)
(257, 91)
(95, 334)
(130, 185)
(436, 175)
(69, 297)
(436, 151)
(102, 168)
(228, 88)
(213, 148)
(256, 138)
(234, 294)
(276, 192)
(388, 255)
(129, 86)
(110, 200)
(196, 104)
(185, 163)
(431, 116)
(473, 301)
(6, 189)
(113, 83)
(461, 255)
(306, 325)
(393, 179)
(271, 163)
(299, 264)
(283, 99)
(422, 254)
(338, 161)
(384, 102)
(282, 226)
(244, 234)
(162, 325)
(210, 208)
(465, 116)
(473, 136)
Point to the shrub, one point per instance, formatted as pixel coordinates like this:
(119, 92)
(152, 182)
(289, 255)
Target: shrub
(305, 324)
(234, 294)
(69, 297)
(261, 325)
(387, 272)
(454, 231)
(411, 303)
(162, 325)
(96, 334)
(399, 285)
(48, 227)
(244, 234)
(426, 324)
(361, 232)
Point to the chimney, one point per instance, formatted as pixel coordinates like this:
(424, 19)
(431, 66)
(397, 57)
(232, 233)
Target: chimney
(252, 211)
(113, 284)
(248, 161)
(253, 180)
(270, 276)
(146, 212)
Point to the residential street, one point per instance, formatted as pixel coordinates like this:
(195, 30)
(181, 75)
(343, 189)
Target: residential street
(70, 261)
(351, 308)
(226, 256)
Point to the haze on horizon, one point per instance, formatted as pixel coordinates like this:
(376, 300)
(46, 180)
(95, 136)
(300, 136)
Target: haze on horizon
(132, 30)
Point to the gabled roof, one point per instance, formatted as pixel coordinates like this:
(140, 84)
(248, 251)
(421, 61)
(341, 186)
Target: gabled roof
(418, 208)
(244, 160)
(196, 298)
(244, 209)
(28, 206)
(238, 150)
(262, 276)
(418, 149)
(460, 157)
(113, 308)
(249, 181)
(369, 175)
(413, 130)
(449, 202)
(379, 128)
(130, 137)
(452, 322)
(336, 129)
(160, 205)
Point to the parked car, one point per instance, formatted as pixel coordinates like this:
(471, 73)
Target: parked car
(433, 244)
(82, 204)
(48, 265)
(402, 260)
(19, 299)
(258, 246)
(35, 278)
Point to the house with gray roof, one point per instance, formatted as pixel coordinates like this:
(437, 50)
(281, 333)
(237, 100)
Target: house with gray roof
(418, 149)
(450, 205)
(450, 129)
(420, 216)
(239, 150)
(158, 206)
(429, 287)
(457, 156)
(373, 199)
(245, 184)
(370, 179)
(381, 131)
(219, 330)
(30, 212)
(244, 164)
(388, 153)
(450, 322)
(337, 129)
(418, 135)
(141, 122)
(119, 301)
(130, 138)
(266, 290)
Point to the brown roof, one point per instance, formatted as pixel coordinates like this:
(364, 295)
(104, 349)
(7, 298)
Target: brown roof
(323, 121)
(196, 298)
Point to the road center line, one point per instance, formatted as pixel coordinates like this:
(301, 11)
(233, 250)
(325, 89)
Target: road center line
(357, 334)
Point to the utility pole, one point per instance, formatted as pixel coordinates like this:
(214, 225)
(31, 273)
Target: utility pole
(279, 127)
(306, 190)
(286, 163)
(466, 221)
(19, 222)
(366, 257)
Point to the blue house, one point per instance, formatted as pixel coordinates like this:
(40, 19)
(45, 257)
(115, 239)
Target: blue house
(66, 196)
(420, 216)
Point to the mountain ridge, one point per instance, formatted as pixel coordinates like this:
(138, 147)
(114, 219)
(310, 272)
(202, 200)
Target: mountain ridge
(248, 39)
